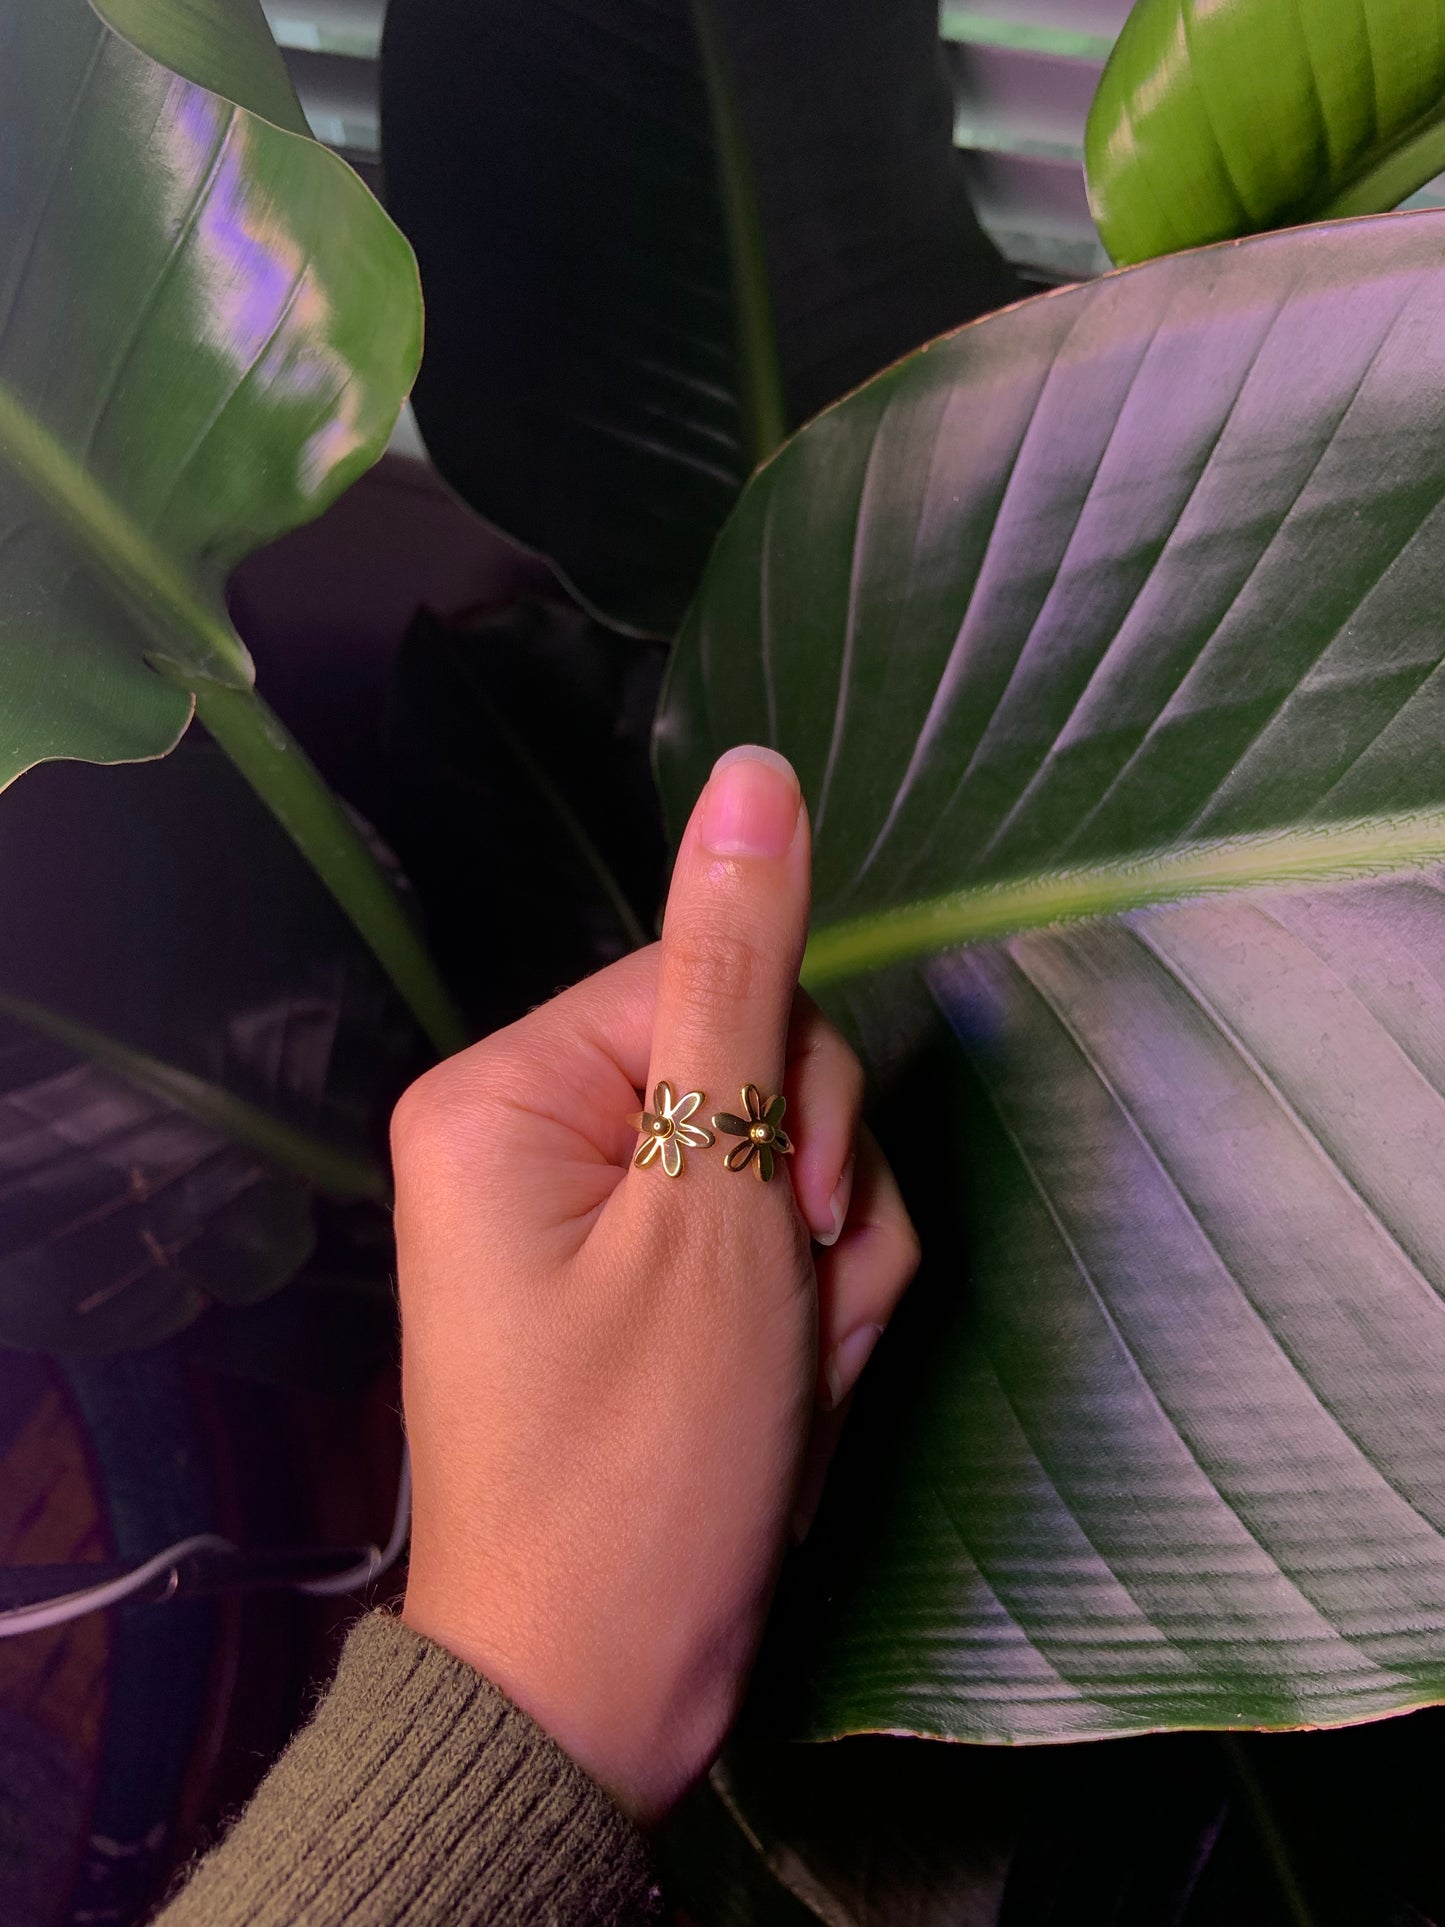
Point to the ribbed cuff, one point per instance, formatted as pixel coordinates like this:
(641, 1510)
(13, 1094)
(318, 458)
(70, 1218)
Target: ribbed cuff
(420, 1797)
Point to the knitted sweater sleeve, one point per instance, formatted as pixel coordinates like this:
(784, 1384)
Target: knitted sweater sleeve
(420, 1797)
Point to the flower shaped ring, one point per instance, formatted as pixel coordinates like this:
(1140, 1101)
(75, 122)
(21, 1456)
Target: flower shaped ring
(666, 1129)
(761, 1132)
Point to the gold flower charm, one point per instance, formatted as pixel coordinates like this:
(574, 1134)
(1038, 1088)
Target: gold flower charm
(761, 1132)
(666, 1129)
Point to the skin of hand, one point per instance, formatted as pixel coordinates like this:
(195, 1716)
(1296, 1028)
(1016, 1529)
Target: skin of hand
(621, 1387)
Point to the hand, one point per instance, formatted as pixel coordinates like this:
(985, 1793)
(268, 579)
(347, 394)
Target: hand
(610, 1375)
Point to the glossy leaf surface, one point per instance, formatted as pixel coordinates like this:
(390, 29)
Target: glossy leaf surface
(592, 257)
(206, 329)
(1149, 559)
(1213, 120)
(164, 908)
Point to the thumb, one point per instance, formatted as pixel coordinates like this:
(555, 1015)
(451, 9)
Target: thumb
(733, 934)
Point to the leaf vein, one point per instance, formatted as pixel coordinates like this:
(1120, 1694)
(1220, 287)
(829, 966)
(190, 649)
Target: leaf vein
(175, 250)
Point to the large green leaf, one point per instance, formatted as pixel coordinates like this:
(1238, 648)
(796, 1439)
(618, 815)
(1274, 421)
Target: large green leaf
(1216, 120)
(640, 263)
(206, 329)
(1151, 559)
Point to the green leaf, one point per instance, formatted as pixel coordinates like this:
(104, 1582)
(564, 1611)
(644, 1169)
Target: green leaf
(343, 1174)
(626, 249)
(1212, 121)
(206, 329)
(191, 1040)
(225, 46)
(1168, 1461)
(1149, 561)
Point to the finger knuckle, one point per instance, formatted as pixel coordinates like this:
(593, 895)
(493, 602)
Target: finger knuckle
(852, 1079)
(712, 970)
(830, 1061)
(440, 1110)
(418, 1116)
(908, 1251)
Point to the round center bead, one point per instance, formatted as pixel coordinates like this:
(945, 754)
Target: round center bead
(662, 1127)
(762, 1134)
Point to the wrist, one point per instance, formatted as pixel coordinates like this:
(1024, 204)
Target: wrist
(643, 1732)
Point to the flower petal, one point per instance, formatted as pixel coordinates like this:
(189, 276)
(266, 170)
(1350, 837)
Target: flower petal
(662, 1099)
(730, 1124)
(738, 1156)
(782, 1142)
(694, 1135)
(671, 1156)
(765, 1162)
(647, 1152)
(752, 1103)
(685, 1106)
(774, 1108)
(640, 1120)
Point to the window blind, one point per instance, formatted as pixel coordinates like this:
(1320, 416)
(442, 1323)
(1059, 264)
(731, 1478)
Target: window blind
(1024, 72)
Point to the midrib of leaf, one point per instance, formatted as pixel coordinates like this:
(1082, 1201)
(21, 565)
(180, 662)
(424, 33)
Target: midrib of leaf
(1370, 846)
(196, 638)
(1386, 174)
(333, 1171)
(764, 415)
(1415, 156)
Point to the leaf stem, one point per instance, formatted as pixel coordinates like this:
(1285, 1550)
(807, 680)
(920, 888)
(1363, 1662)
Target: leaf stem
(1271, 1838)
(338, 1173)
(287, 781)
(764, 414)
(1372, 846)
(152, 586)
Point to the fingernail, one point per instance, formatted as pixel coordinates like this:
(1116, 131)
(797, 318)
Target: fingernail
(752, 803)
(844, 1365)
(838, 1205)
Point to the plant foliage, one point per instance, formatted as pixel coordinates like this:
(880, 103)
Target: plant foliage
(652, 237)
(189, 1044)
(1213, 120)
(1144, 561)
(206, 329)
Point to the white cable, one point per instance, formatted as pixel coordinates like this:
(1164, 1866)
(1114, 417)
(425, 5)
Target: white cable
(74, 1605)
(376, 1562)
(45, 1613)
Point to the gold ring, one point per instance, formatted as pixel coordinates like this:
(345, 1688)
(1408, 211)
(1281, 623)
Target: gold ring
(666, 1129)
(761, 1131)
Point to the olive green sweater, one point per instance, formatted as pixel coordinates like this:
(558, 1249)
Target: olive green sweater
(420, 1797)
